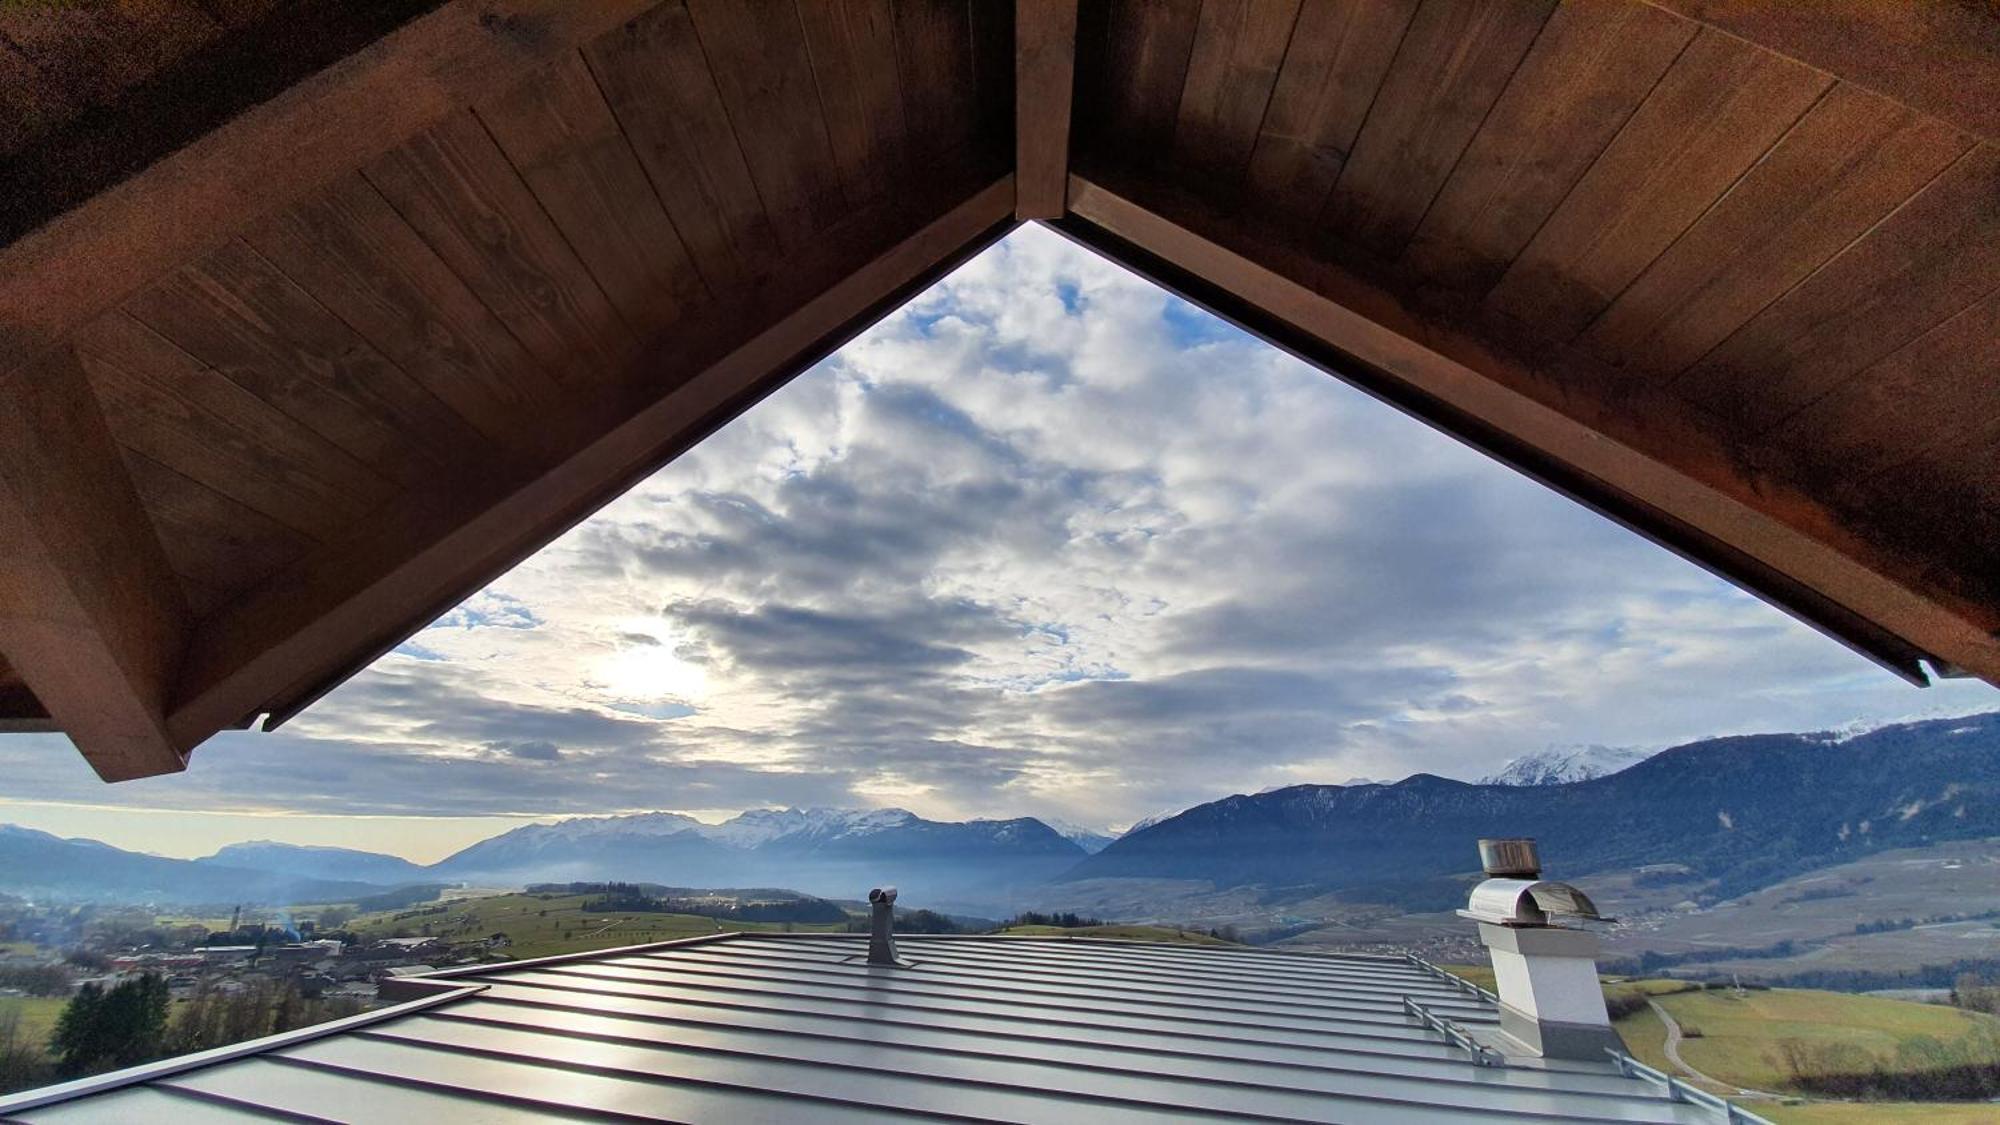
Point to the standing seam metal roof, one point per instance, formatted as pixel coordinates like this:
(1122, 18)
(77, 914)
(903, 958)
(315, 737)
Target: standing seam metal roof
(785, 1027)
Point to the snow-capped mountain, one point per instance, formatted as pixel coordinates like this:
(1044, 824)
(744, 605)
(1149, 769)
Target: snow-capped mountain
(1091, 840)
(1559, 764)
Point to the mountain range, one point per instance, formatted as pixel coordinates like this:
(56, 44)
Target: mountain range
(1743, 811)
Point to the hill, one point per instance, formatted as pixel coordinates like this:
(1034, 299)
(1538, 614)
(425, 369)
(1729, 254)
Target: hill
(44, 866)
(1742, 812)
(301, 861)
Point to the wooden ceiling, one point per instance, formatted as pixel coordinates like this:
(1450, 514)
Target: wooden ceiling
(272, 400)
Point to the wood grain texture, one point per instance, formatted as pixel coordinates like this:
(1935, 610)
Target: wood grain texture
(327, 618)
(1136, 101)
(1338, 55)
(1850, 161)
(560, 136)
(756, 49)
(1455, 60)
(656, 79)
(934, 61)
(1232, 68)
(853, 48)
(166, 405)
(91, 258)
(1943, 59)
(1588, 71)
(1044, 86)
(348, 248)
(236, 313)
(217, 547)
(453, 185)
(90, 612)
(1938, 393)
(1717, 110)
(1935, 256)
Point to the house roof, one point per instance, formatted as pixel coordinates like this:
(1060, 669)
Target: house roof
(401, 308)
(773, 1026)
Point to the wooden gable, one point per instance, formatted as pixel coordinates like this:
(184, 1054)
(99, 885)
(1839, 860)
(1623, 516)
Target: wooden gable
(272, 400)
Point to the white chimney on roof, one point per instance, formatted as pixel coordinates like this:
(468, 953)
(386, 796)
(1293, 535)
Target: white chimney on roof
(1546, 975)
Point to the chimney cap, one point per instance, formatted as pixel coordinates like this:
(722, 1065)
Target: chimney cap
(1528, 902)
(883, 895)
(1514, 857)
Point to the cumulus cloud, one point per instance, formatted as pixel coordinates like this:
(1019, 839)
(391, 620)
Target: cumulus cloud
(1048, 540)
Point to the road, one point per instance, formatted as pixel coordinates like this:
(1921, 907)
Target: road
(1674, 1056)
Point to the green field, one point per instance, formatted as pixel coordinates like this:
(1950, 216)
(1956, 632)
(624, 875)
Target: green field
(1121, 933)
(544, 925)
(38, 1016)
(1740, 1039)
(1740, 1036)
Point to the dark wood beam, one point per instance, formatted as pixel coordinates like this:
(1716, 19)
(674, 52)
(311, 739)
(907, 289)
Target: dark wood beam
(92, 257)
(310, 628)
(91, 617)
(1936, 56)
(1044, 76)
(1676, 485)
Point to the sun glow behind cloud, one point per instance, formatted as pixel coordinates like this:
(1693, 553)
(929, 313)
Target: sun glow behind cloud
(1046, 541)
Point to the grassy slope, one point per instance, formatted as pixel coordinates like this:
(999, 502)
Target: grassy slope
(536, 925)
(1739, 1042)
(1126, 933)
(1740, 1037)
(38, 1015)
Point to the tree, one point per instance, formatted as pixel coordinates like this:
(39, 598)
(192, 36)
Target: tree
(101, 1030)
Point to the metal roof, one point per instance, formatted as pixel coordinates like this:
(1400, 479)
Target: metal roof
(768, 1027)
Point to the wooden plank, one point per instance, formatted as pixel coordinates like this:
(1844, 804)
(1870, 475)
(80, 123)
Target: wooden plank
(935, 63)
(1937, 390)
(91, 258)
(1140, 77)
(1851, 160)
(90, 613)
(756, 50)
(561, 138)
(853, 48)
(1585, 76)
(1675, 471)
(347, 247)
(236, 313)
(1718, 109)
(1338, 56)
(657, 82)
(216, 546)
(453, 185)
(1232, 68)
(1452, 66)
(163, 403)
(1936, 255)
(329, 617)
(1045, 78)
(1941, 59)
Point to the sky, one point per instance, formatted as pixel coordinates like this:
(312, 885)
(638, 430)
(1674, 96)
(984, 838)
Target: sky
(1047, 541)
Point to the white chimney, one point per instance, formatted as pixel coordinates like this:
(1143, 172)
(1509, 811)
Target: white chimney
(1546, 975)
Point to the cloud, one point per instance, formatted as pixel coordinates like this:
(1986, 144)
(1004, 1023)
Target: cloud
(1051, 541)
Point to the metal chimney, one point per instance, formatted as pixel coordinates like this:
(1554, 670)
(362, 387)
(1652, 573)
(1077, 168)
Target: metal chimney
(882, 927)
(1546, 974)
